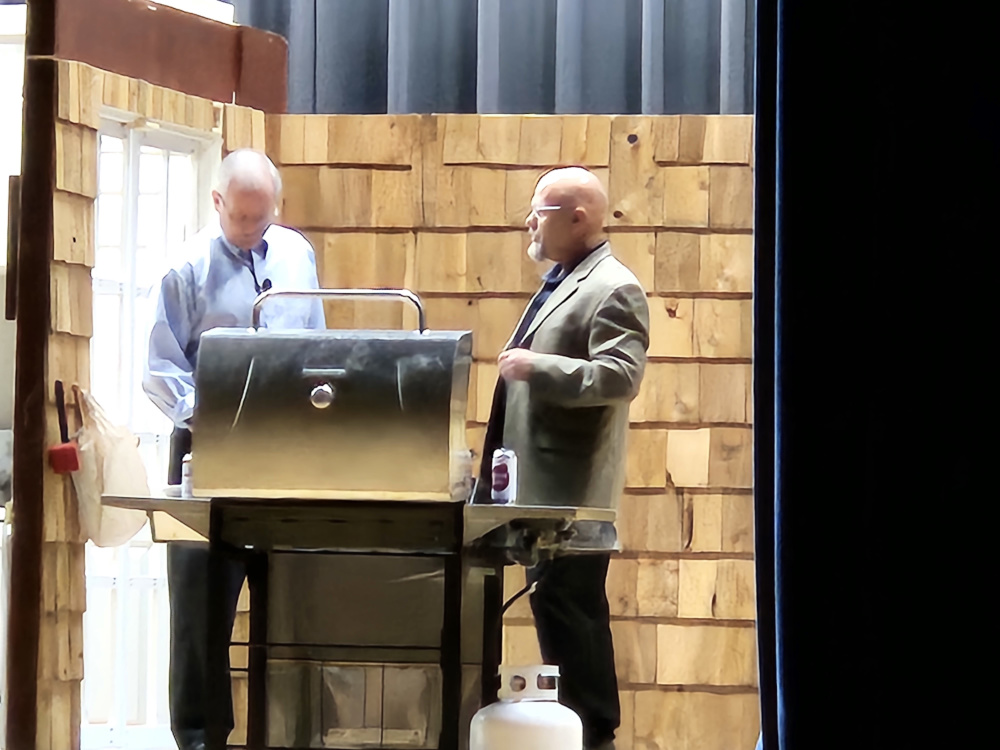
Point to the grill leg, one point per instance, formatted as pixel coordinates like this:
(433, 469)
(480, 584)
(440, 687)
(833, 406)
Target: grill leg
(492, 635)
(257, 571)
(451, 654)
(216, 734)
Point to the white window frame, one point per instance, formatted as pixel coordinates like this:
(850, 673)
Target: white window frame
(206, 150)
(126, 581)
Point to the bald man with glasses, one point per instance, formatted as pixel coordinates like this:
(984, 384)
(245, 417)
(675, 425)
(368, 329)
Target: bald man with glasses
(567, 376)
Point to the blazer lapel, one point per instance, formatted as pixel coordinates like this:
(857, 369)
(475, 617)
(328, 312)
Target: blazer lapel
(520, 320)
(567, 288)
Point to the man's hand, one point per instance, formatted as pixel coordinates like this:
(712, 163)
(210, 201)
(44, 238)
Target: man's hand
(517, 364)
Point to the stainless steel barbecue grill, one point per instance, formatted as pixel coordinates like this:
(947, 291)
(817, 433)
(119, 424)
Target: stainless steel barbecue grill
(336, 461)
(371, 415)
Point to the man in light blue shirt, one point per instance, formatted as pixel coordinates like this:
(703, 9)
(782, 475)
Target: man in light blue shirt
(222, 271)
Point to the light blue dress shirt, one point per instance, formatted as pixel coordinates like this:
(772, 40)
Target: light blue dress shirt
(214, 287)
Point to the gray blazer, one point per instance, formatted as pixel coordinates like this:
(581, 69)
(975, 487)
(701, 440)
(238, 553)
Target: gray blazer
(568, 423)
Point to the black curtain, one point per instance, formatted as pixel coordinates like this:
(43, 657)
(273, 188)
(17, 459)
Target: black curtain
(808, 490)
(513, 56)
(853, 228)
(764, 363)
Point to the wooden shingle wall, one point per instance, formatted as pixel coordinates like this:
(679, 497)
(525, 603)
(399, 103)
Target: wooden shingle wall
(82, 92)
(437, 204)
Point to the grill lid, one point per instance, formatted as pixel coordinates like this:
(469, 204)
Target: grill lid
(333, 413)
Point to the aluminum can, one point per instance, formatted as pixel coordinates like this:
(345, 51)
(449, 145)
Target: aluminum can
(504, 489)
(187, 488)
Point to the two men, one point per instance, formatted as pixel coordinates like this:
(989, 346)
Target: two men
(224, 269)
(568, 374)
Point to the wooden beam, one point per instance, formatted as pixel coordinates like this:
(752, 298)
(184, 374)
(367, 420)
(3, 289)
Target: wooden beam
(263, 70)
(35, 251)
(165, 47)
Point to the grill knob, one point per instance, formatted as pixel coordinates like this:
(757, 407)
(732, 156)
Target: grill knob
(322, 395)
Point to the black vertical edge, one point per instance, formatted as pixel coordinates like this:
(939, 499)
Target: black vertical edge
(257, 581)
(765, 134)
(451, 639)
(61, 412)
(492, 634)
(13, 230)
(32, 312)
(40, 28)
(219, 639)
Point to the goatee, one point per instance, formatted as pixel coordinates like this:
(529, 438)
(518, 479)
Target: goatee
(536, 253)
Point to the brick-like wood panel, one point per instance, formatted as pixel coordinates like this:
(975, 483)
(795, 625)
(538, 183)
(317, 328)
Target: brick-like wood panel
(681, 592)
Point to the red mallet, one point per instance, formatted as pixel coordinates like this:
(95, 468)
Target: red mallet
(63, 458)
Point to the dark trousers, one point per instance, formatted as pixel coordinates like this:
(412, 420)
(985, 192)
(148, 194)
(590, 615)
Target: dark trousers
(187, 580)
(573, 622)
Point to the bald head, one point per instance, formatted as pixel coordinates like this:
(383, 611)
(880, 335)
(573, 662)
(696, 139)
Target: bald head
(576, 187)
(569, 210)
(247, 197)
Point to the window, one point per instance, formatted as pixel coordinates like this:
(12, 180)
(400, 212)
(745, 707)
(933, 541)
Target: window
(153, 194)
(152, 197)
(11, 80)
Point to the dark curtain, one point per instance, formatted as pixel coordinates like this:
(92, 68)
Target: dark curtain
(513, 56)
(841, 351)
(765, 363)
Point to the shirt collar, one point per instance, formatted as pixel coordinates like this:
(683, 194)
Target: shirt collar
(558, 272)
(260, 249)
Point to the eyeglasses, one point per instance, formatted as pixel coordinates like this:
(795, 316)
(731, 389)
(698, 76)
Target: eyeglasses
(257, 222)
(535, 211)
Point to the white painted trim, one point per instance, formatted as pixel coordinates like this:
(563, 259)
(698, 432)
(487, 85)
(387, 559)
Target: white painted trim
(169, 140)
(113, 127)
(208, 161)
(111, 116)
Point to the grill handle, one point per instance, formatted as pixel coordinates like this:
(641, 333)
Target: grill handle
(397, 294)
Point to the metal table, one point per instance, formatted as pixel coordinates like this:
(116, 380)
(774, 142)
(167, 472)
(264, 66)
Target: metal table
(488, 537)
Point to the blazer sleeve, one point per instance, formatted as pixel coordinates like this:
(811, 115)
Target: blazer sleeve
(618, 341)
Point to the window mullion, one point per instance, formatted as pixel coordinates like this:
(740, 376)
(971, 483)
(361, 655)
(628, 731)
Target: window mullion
(167, 208)
(130, 258)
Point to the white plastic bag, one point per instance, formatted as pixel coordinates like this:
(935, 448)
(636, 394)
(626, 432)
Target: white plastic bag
(110, 464)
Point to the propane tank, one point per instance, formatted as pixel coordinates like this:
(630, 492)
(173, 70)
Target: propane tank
(528, 716)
